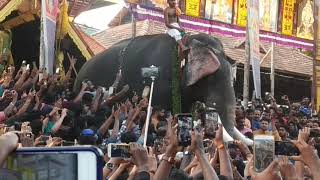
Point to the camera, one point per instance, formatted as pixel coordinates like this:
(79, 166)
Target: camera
(151, 71)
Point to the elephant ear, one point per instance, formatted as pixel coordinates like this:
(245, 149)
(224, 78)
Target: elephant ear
(201, 62)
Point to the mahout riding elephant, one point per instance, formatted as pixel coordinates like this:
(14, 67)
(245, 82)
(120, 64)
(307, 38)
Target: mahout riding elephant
(206, 76)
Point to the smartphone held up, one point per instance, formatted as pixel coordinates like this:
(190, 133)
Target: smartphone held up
(60, 163)
(263, 152)
(211, 122)
(119, 150)
(185, 126)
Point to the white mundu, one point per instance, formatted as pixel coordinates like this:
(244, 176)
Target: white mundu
(174, 32)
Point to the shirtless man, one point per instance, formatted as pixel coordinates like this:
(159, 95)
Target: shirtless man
(171, 18)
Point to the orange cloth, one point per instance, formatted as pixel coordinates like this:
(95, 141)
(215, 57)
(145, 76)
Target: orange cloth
(178, 11)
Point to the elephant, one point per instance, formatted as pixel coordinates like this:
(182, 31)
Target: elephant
(206, 76)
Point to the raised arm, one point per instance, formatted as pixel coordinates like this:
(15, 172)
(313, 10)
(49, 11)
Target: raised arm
(198, 148)
(26, 104)
(31, 80)
(225, 164)
(166, 164)
(307, 154)
(21, 80)
(96, 101)
(116, 124)
(81, 93)
(58, 123)
(9, 108)
(105, 126)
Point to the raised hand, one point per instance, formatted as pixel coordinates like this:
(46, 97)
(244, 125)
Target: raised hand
(287, 169)
(64, 112)
(135, 98)
(152, 161)
(219, 136)
(304, 134)
(270, 173)
(15, 95)
(139, 156)
(117, 114)
(84, 86)
(197, 142)
(172, 138)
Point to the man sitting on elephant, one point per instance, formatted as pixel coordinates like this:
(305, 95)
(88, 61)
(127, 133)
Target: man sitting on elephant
(171, 18)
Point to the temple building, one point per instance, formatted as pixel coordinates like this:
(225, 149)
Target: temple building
(20, 36)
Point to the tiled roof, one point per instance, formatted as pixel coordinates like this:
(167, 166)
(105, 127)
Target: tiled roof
(91, 43)
(3, 3)
(77, 6)
(286, 59)
(113, 35)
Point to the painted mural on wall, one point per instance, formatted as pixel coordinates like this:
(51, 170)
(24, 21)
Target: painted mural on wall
(305, 20)
(219, 10)
(268, 15)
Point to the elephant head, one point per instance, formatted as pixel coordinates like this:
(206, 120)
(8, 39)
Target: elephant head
(201, 62)
(208, 78)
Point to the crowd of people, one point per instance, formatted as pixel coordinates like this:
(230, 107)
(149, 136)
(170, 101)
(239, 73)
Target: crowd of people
(47, 113)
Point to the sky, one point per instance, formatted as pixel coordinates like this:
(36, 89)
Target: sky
(99, 18)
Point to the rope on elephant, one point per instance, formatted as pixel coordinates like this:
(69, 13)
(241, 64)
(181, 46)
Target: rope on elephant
(176, 89)
(122, 53)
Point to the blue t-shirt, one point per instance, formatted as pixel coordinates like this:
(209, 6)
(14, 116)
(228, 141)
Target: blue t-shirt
(255, 125)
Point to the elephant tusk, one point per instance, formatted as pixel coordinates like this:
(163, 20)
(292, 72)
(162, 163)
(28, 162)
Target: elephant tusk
(240, 136)
(227, 137)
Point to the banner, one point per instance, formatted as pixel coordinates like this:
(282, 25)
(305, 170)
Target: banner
(254, 43)
(242, 13)
(219, 10)
(193, 8)
(267, 14)
(305, 20)
(287, 17)
(49, 11)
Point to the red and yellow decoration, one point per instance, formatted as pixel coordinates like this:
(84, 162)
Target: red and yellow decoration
(193, 8)
(287, 17)
(242, 13)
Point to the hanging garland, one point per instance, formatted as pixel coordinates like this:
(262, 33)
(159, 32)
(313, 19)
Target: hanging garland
(176, 89)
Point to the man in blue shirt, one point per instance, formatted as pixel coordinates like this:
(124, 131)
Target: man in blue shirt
(255, 125)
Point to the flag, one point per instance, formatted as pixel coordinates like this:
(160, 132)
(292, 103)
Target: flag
(63, 24)
(254, 43)
(62, 30)
(49, 11)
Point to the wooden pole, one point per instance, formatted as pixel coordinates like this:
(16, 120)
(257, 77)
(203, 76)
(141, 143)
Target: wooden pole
(272, 81)
(315, 90)
(246, 75)
(133, 22)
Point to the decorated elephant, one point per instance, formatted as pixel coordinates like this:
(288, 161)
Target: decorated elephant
(206, 76)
